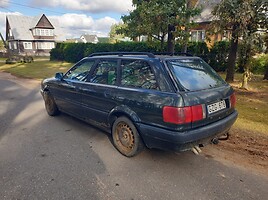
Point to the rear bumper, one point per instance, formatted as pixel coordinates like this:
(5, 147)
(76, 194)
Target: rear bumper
(160, 138)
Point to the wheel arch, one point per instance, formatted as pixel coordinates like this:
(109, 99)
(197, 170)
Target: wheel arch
(125, 111)
(122, 110)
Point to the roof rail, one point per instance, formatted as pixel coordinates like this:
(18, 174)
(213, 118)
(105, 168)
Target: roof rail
(173, 54)
(150, 55)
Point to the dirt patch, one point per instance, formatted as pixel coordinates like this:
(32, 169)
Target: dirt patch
(244, 149)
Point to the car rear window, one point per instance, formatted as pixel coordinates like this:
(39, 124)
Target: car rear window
(194, 74)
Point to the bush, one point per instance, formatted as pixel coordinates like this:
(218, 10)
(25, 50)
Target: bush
(73, 52)
(259, 64)
(199, 49)
(57, 52)
(218, 55)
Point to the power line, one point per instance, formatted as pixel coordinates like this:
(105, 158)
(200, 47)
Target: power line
(6, 9)
(32, 7)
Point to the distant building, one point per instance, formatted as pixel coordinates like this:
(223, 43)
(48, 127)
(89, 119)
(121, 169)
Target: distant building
(85, 38)
(32, 35)
(203, 21)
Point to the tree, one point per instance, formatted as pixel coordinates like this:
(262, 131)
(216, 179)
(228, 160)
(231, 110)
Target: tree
(243, 18)
(115, 32)
(158, 18)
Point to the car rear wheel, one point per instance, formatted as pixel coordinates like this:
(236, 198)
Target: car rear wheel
(50, 104)
(126, 137)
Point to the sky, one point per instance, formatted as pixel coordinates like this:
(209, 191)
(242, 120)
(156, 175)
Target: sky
(76, 17)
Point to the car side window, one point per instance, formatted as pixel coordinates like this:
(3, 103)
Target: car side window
(80, 71)
(105, 72)
(137, 73)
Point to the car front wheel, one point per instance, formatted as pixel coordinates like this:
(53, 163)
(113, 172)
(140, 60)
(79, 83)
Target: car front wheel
(50, 104)
(126, 137)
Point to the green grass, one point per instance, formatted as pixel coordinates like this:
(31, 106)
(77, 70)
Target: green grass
(39, 69)
(252, 105)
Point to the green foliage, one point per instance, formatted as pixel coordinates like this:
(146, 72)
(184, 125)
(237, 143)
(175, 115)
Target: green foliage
(74, 52)
(199, 49)
(57, 52)
(243, 18)
(259, 64)
(115, 32)
(155, 18)
(218, 56)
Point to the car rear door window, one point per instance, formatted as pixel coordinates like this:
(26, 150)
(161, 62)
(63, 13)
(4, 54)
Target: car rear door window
(80, 71)
(105, 72)
(138, 74)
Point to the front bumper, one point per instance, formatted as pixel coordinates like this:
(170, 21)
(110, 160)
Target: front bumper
(155, 137)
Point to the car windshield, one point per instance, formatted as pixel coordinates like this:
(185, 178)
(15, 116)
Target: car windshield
(194, 74)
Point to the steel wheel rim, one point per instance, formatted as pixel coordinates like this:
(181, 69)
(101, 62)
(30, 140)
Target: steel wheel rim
(124, 137)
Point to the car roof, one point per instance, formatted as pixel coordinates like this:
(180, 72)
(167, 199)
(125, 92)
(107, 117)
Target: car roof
(141, 55)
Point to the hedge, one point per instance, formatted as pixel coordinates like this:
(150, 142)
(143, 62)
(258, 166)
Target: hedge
(73, 52)
(217, 56)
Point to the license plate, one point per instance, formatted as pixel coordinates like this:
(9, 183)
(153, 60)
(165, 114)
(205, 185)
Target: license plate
(212, 108)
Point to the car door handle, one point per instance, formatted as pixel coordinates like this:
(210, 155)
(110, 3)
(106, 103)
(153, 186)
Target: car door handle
(108, 94)
(71, 86)
(120, 98)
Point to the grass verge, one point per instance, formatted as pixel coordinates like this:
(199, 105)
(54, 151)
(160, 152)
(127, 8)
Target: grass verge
(37, 70)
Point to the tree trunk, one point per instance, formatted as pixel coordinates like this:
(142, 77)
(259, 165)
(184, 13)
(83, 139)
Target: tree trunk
(162, 42)
(232, 57)
(266, 74)
(171, 39)
(246, 75)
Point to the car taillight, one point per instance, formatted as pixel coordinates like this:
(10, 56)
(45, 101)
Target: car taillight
(182, 115)
(233, 100)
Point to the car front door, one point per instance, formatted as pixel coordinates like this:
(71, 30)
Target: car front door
(67, 92)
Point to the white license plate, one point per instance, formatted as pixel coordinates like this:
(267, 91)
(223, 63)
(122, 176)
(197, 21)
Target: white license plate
(212, 108)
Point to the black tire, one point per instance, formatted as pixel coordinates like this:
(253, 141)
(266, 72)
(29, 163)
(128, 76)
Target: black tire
(126, 138)
(50, 104)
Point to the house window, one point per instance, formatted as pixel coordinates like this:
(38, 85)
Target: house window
(45, 45)
(27, 45)
(198, 35)
(13, 45)
(10, 33)
(43, 32)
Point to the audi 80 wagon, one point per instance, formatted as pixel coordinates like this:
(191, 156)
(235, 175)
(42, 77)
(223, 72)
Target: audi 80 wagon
(166, 102)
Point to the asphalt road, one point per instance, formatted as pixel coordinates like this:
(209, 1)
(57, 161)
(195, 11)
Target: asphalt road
(44, 157)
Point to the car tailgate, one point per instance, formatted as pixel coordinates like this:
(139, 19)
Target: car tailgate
(216, 103)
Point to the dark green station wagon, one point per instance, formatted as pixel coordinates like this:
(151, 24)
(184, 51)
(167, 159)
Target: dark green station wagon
(166, 102)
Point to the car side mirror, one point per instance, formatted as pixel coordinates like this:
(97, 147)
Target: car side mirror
(59, 75)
